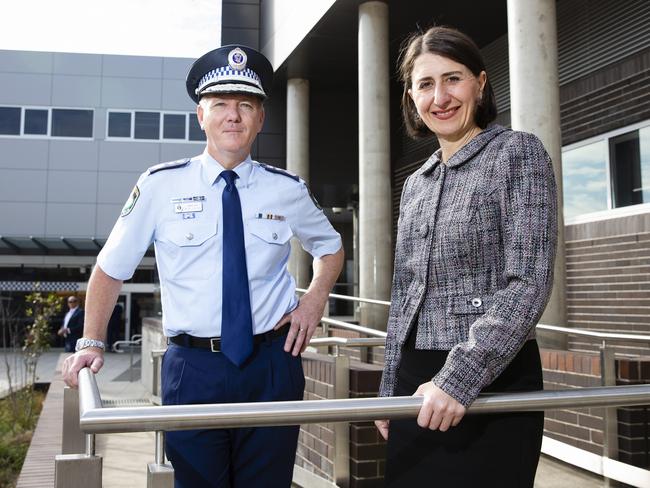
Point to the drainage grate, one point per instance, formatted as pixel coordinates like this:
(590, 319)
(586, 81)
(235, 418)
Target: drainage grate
(127, 402)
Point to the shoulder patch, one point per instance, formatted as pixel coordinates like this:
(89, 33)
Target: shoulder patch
(130, 203)
(280, 171)
(171, 165)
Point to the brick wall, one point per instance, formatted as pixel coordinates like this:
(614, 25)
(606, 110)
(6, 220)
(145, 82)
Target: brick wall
(583, 428)
(316, 443)
(608, 287)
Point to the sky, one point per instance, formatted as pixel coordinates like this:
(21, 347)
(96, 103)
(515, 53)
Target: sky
(170, 28)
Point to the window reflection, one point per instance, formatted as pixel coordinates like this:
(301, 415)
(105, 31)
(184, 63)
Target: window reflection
(585, 179)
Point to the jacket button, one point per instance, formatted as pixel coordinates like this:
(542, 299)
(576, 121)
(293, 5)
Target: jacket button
(477, 302)
(275, 236)
(189, 236)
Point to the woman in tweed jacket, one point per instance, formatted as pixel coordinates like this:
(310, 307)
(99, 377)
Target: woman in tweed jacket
(473, 273)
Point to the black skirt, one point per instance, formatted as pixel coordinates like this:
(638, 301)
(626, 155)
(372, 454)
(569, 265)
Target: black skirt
(486, 450)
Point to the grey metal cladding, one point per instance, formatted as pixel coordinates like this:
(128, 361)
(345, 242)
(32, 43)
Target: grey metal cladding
(132, 66)
(70, 220)
(77, 64)
(26, 61)
(72, 186)
(127, 156)
(131, 92)
(22, 185)
(23, 153)
(76, 91)
(73, 155)
(22, 218)
(25, 89)
(113, 188)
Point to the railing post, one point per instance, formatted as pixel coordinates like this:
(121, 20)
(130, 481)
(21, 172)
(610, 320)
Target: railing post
(608, 378)
(72, 439)
(79, 470)
(341, 429)
(159, 474)
(156, 357)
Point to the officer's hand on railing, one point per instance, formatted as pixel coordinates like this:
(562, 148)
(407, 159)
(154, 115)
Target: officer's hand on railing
(439, 410)
(382, 427)
(91, 357)
(304, 320)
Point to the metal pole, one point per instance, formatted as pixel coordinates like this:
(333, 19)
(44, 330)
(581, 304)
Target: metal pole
(159, 474)
(90, 445)
(160, 447)
(608, 378)
(72, 439)
(341, 429)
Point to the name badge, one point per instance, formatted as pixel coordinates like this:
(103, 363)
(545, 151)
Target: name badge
(188, 207)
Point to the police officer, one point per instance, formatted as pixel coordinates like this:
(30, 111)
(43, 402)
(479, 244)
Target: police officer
(221, 225)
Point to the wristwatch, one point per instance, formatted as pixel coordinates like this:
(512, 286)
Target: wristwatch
(84, 342)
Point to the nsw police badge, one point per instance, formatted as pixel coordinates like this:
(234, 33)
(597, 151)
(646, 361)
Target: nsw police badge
(237, 59)
(130, 203)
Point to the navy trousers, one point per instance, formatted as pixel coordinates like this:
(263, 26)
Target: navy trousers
(232, 458)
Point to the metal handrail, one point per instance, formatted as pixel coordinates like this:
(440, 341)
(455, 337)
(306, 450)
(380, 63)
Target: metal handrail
(347, 341)
(353, 327)
(352, 299)
(614, 336)
(94, 419)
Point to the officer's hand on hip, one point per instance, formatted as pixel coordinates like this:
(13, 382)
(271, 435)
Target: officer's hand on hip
(304, 320)
(439, 410)
(91, 357)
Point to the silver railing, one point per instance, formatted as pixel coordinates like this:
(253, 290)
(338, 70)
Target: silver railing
(607, 359)
(92, 419)
(76, 470)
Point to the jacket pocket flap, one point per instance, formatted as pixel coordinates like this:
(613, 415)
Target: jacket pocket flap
(469, 304)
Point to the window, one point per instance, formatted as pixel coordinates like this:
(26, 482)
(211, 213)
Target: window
(36, 121)
(584, 175)
(174, 126)
(195, 133)
(147, 125)
(72, 123)
(629, 156)
(611, 171)
(10, 121)
(119, 124)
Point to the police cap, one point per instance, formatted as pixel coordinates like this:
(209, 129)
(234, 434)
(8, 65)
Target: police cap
(230, 69)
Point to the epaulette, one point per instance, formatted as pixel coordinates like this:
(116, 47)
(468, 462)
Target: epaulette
(171, 165)
(280, 171)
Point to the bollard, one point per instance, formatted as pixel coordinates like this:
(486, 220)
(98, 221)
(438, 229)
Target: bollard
(341, 429)
(159, 474)
(608, 378)
(72, 438)
(77, 471)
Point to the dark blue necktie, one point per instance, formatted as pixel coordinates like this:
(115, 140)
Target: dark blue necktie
(236, 320)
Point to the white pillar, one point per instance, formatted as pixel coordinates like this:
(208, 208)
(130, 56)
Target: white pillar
(298, 162)
(535, 107)
(375, 226)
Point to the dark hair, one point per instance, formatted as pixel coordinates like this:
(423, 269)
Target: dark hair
(449, 43)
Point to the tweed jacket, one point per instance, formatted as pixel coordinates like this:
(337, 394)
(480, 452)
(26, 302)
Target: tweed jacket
(474, 258)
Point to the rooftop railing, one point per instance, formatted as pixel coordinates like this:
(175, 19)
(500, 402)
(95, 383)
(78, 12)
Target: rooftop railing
(79, 465)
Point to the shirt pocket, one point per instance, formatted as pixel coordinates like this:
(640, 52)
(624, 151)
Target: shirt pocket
(187, 250)
(267, 245)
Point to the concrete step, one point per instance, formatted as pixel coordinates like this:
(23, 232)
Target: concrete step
(607, 270)
(622, 279)
(631, 287)
(609, 263)
(608, 254)
(573, 316)
(614, 302)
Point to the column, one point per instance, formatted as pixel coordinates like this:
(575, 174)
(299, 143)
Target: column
(535, 107)
(375, 227)
(298, 162)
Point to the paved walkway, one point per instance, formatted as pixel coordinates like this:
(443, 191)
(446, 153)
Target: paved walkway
(125, 456)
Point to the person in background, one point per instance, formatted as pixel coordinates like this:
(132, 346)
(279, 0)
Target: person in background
(474, 258)
(73, 324)
(221, 225)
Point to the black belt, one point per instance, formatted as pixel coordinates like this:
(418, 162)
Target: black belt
(214, 343)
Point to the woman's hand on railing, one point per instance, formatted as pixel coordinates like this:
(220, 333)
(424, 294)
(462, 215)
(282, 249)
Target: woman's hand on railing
(382, 427)
(91, 357)
(439, 410)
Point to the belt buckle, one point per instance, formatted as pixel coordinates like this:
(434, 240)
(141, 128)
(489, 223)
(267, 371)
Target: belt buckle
(215, 344)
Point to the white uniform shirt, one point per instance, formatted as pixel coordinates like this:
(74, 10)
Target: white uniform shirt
(179, 209)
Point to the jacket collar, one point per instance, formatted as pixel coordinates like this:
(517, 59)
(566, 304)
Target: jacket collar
(465, 153)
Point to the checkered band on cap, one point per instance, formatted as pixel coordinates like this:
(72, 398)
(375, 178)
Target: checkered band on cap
(230, 75)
